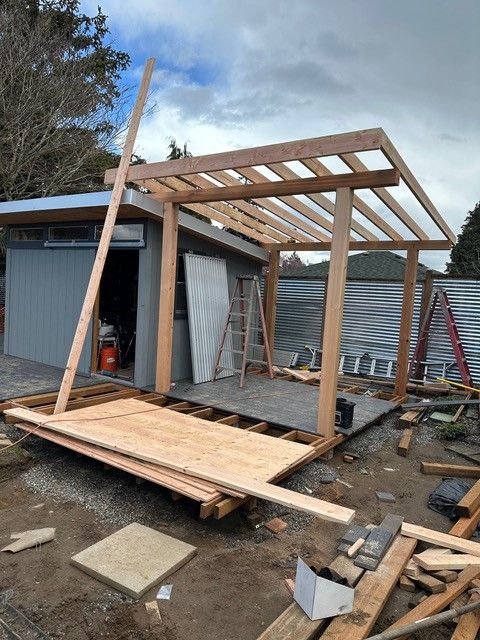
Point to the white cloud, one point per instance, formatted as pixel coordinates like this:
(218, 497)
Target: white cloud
(243, 74)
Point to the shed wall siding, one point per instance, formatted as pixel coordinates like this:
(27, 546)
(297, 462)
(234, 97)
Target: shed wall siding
(148, 300)
(45, 292)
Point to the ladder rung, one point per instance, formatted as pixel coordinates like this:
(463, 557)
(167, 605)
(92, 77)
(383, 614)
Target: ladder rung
(232, 351)
(237, 313)
(238, 333)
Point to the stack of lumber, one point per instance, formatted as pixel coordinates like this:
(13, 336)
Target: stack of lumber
(205, 458)
(429, 571)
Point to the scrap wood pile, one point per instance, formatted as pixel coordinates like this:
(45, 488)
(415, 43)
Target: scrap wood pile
(445, 574)
(182, 451)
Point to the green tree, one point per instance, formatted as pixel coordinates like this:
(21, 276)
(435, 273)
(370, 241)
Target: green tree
(465, 255)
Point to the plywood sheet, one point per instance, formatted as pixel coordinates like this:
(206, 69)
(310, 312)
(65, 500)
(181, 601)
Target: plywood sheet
(159, 435)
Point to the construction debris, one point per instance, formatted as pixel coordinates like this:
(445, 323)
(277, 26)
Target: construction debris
(276, 525)
(384, 496)
(31, 538)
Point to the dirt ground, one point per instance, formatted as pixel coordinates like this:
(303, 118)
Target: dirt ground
(233, 588)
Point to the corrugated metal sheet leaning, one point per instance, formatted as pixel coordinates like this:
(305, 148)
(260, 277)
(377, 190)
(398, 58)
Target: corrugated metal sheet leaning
(371, 322)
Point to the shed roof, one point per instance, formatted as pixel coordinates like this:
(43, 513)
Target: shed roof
(376, 265)
(93, 206)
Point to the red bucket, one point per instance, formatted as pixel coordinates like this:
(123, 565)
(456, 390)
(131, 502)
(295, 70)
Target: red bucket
(109, 359)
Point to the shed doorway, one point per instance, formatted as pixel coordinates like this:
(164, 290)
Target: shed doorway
(116, 316)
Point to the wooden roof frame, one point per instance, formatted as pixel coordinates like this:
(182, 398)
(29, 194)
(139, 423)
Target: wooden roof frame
(270, 212)
(205, 180)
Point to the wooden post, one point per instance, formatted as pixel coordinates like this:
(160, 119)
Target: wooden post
(332, 333)
(271, 286)
(103, 245)
(168, 279)
(403, 352)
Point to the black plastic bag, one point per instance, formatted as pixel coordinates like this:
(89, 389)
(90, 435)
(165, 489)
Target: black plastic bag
(447, 495)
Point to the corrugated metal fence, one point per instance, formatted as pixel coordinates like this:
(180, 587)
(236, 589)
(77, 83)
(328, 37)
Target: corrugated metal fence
(371, 322)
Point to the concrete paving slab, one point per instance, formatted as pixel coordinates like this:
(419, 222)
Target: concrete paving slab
(134, 559)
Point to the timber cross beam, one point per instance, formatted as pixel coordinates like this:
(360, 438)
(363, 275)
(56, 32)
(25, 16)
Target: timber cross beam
(361, 180)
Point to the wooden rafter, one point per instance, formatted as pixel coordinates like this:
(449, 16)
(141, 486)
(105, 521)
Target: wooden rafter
(256, 177)
(226, 217)
(319, 169)
(271, 206)
(355, 164)
(247, 208)
(396, 159)
(318, 198)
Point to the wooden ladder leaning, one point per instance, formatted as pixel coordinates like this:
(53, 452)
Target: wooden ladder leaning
(239, 323)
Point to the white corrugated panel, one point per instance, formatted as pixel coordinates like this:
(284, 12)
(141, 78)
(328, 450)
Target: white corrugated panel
(208, 302)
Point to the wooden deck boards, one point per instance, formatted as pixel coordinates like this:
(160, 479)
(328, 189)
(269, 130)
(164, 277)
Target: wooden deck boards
(290, 405)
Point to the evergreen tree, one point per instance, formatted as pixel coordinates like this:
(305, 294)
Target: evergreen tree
(465, 255)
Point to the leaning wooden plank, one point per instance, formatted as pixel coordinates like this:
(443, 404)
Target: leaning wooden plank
(137, 432)
(371, 594)
(450, 561)
(440, 539)
(469, 503)
(438, 601)
(465, 527)
(104, 243)
(454, 470)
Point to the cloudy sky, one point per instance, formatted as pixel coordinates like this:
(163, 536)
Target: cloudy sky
(236, 74)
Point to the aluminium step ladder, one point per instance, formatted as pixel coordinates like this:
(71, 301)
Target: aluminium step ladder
(418, 360)
(239, 323)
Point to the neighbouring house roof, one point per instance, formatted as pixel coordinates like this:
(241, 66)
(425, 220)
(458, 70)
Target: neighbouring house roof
(134, 204)
(369, 265)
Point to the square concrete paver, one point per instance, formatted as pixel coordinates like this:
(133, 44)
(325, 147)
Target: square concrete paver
(134, 559)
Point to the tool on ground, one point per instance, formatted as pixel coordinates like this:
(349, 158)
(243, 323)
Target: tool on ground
(246, 297)
(419, 355)
(426, 623)
(457, 384)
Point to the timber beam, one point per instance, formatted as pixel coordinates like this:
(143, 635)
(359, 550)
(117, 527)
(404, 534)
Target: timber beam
(269, 189)
(365, 245)
(352, 142)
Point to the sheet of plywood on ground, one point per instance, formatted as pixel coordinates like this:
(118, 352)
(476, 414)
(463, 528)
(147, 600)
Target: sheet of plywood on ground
(162, 432)
(234, 458)
(199, 490)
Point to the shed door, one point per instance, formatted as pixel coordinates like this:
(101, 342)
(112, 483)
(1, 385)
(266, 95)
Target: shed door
(45, 292)
(208, 302)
